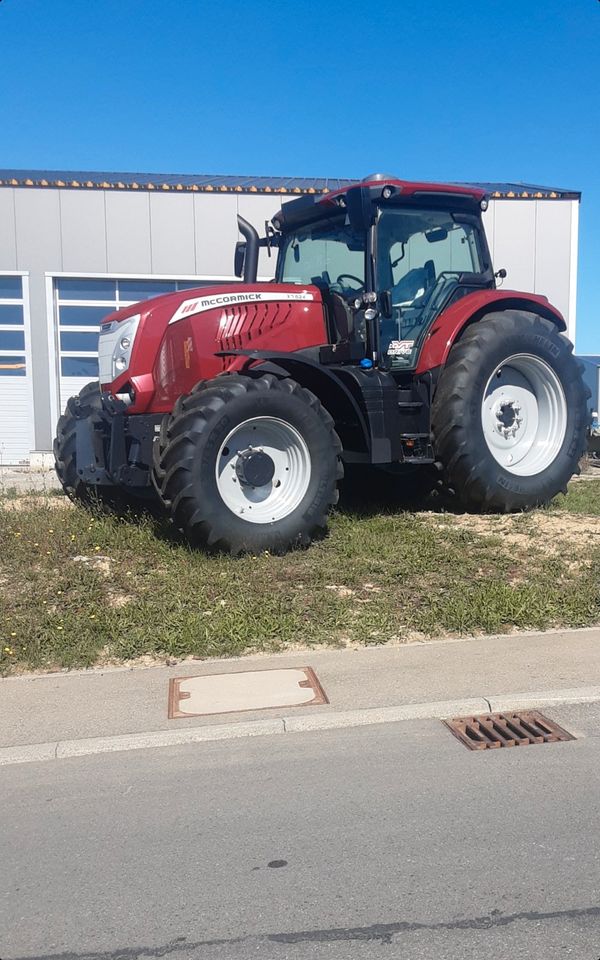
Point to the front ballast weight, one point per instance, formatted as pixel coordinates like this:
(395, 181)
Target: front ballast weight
(101, 453)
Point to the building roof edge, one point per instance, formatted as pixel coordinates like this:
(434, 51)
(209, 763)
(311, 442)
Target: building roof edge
(214, 183)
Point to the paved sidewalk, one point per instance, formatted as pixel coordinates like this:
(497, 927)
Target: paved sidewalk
(27, 480)
(363, 686)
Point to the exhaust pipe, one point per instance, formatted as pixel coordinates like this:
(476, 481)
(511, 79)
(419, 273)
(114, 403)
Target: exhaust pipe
(251, 258)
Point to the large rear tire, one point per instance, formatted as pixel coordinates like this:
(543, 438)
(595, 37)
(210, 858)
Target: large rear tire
(248, 464)
(509, 413)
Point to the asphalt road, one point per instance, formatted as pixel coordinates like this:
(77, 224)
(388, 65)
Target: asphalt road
(390, 841)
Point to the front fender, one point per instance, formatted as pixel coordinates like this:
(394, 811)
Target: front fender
(451, 322)
(320, 380)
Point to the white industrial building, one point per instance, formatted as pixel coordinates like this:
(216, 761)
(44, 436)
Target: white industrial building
(75, 246)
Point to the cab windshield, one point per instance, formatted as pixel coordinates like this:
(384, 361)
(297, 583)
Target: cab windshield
(420, 257)
(327, 252)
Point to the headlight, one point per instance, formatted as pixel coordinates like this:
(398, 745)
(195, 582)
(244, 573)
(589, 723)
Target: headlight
(115, 347)
(122, 351)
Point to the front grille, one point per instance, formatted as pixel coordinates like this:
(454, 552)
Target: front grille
(107, 341)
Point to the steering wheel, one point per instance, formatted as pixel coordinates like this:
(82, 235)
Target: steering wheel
(350, 276)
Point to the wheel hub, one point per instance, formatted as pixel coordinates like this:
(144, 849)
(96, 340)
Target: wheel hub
(254, 467)
(524, 414)
(263, 469)
(507, 414)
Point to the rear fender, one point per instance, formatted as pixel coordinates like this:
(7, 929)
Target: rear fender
(448, 327)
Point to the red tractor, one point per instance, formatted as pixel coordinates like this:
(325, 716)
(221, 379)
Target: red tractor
(383, 341)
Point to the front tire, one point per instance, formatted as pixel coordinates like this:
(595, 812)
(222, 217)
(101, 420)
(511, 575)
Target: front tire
(248, 464)
(509, 413)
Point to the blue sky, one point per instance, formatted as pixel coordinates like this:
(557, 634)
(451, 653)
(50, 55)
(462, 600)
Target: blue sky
(457, 90)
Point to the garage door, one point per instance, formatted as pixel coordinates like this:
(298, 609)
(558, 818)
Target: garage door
(16, 395)
(80, 304)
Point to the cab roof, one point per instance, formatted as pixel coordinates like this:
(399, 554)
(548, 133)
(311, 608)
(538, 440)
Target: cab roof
(410, 188)
(381, 187)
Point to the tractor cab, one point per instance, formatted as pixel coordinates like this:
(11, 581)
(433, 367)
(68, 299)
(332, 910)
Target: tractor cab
(388, 256)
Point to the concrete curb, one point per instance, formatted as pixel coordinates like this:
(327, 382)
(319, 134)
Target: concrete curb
(62, 749)
(541, 698)
(259, 657)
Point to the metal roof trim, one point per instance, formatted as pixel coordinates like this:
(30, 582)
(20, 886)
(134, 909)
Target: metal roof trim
(181, 183)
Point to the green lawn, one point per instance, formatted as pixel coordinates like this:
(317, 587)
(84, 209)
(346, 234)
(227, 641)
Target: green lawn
(380, 575)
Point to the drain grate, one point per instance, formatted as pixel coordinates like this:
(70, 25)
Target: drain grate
(491, 730)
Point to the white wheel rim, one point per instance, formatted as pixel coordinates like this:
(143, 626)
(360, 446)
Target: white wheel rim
(280, 496)
(524, 415)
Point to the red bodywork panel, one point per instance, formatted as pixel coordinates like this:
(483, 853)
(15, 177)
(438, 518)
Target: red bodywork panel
(179, 335)
(448, 325)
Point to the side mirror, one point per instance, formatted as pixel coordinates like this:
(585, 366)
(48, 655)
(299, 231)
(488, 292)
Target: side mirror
(361, 212)
(385, 304)
(239, 258)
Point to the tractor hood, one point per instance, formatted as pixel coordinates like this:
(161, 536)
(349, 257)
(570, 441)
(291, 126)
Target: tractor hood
(174, 341)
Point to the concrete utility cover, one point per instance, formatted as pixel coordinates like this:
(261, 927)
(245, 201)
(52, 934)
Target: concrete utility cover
(249, 690)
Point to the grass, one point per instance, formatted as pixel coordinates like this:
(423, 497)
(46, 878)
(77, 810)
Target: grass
(582, 497)
(80, 587)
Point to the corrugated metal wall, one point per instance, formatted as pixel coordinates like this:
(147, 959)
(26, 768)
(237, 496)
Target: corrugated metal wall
(536, 241)
(47, 231)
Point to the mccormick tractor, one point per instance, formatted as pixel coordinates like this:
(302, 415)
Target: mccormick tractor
(382, 341)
